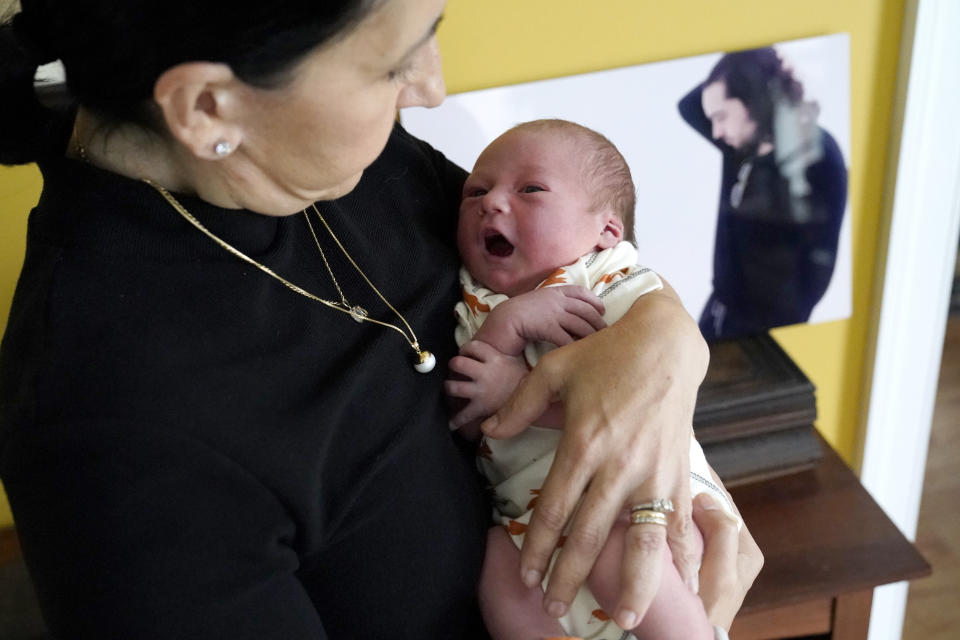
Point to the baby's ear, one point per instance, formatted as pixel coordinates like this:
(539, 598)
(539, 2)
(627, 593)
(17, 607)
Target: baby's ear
(612, 231)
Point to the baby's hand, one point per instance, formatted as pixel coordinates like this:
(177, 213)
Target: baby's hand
(558, 315)
(489, 377)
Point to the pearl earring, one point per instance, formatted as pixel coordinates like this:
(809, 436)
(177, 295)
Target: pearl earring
(223, 149)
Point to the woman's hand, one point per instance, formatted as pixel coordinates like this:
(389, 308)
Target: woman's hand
(628, 394)
(731, 561)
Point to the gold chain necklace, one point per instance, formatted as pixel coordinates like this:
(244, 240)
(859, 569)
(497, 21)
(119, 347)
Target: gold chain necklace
(424, 362)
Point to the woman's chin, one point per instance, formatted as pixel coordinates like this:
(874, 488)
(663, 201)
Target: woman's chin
(341, 189)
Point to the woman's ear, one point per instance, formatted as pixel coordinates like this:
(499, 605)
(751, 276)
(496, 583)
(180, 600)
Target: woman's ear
(192, 97)
(612, 231)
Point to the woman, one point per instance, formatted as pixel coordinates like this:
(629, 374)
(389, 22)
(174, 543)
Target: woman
(210, 424)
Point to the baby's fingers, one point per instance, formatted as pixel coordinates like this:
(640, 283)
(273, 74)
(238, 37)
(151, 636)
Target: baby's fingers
(582, 293)
(579, 326)
(478, 350)
(585, 312)
(466, 367)
(473, 411)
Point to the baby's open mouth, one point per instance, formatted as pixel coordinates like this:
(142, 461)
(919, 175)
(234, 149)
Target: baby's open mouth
(498, 246)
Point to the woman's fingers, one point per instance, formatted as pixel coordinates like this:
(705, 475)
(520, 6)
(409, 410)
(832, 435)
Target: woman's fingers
(643, 549)
(569, 474)
(588, 531)
(718, 572)
(731, 561)
(681, 537)
(527, 403)
(645, 543)
(556, 503)
(610, 489)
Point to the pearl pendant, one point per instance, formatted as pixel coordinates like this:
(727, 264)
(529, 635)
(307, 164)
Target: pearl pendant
(426, 362)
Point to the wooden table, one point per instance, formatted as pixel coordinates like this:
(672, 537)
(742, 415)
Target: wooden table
(826, 545)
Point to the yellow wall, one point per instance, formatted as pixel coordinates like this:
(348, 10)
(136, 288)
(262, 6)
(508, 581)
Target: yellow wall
(19, 190)
(492, 42)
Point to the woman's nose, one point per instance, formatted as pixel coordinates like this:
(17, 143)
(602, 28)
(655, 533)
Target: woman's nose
(426, 87)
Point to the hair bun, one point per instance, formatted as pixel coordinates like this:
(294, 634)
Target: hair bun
(29, 30)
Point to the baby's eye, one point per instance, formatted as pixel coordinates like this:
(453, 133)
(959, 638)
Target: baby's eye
(476, 192)
(531, 188)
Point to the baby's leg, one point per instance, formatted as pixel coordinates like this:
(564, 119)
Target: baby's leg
(510, 610)
(675, 613)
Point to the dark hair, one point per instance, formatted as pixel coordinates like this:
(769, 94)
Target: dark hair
(113, 51)
(758, 78)
(605, 172)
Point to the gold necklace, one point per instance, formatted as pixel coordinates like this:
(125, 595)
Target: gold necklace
(356, 312)
(424, 362)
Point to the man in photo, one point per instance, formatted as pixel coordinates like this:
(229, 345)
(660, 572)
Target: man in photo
(782, 195)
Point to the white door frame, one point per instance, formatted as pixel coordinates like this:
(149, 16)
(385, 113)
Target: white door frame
(918, 273)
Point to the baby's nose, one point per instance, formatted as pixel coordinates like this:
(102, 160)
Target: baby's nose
(495, 201)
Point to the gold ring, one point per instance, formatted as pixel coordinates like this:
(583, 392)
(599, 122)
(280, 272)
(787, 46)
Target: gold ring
(663, 505)
(647, 516)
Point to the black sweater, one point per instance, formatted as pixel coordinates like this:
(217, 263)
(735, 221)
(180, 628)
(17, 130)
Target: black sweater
(192, 450)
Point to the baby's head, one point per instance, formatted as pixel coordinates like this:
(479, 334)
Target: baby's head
(540, 196)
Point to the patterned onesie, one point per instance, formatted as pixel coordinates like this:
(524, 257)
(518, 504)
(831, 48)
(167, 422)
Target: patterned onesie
(517, 467)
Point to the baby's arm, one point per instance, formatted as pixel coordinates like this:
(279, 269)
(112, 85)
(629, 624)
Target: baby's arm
(558, 315)
(491, 365)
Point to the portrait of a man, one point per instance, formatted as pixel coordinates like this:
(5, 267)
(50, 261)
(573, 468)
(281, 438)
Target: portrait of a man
(782, 196)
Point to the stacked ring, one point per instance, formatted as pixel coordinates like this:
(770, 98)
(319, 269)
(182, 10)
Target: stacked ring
(663, 505)
(648, 516)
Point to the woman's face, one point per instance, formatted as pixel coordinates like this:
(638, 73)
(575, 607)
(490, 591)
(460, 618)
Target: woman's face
(312, 138)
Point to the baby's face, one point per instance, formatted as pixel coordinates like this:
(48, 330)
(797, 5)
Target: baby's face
(525, 212)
